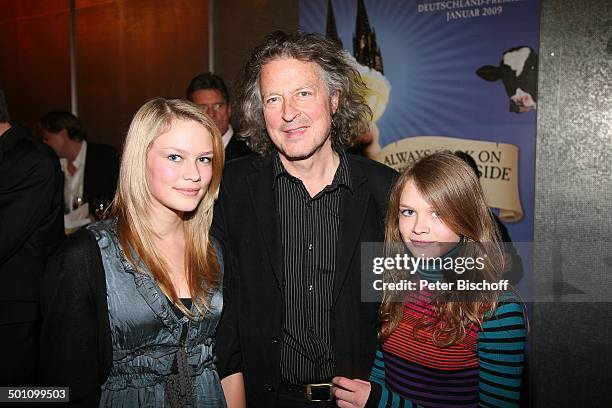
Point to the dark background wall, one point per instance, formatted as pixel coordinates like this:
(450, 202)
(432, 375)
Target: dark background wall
(241, 24)
(35, 57)
(127, 51)
(130, 51)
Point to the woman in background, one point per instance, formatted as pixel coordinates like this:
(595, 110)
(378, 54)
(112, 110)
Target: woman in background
(131, 304)
(447, 347)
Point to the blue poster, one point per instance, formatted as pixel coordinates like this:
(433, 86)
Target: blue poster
(458, 74)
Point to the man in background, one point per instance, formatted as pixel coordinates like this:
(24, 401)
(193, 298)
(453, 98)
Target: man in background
(209, 91)
(31, 226)
(90, 169)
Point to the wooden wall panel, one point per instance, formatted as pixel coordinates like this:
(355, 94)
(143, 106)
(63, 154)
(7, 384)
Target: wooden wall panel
(133, 50)
(240, 25)
(35, 62)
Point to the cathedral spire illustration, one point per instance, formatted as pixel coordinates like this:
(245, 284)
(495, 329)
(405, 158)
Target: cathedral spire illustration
(330, 30)
(365, 49)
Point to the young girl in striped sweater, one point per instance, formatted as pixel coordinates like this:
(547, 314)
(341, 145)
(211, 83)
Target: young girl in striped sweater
(443, 348)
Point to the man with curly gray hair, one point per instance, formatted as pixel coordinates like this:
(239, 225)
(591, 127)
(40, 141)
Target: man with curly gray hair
(291, 221)
(343, 85)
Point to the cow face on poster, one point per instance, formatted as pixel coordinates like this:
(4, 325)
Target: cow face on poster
(518, 71)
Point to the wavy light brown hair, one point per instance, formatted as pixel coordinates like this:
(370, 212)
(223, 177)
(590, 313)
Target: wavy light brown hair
(451, 188)
(132, 203)
(353, 115)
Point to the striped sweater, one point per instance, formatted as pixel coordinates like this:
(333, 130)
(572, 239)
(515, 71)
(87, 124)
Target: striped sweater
(484, 369)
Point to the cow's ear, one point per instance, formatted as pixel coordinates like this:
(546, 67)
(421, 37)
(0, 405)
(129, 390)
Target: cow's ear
(489, 73)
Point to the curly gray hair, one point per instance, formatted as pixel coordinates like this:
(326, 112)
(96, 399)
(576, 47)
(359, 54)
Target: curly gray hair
(353, 115)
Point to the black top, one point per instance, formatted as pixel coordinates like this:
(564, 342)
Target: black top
(236, 148)
(187, 302)
(76, 346)
(309, 234)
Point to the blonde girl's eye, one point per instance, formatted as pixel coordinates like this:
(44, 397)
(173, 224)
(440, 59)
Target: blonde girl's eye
(407, 212)
(174, 157)
(435, 214)
(205, 159)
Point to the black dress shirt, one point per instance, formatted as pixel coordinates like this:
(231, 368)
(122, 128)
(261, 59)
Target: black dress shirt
(309, 229)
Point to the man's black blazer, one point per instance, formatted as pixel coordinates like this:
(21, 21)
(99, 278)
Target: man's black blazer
(31, 214)
(248, 337)
(101, 174)
(236, 148)
(31, 226)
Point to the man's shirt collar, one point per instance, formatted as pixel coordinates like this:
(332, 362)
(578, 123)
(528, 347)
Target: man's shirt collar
(341, 178)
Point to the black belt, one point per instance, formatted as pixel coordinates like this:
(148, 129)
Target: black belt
(321, 392)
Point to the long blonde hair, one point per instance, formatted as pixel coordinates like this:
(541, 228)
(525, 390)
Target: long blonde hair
(132, 203)
(452, 188)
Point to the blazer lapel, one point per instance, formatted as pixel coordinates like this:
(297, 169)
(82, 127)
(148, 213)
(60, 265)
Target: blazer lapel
(353, 211)
(264, 203)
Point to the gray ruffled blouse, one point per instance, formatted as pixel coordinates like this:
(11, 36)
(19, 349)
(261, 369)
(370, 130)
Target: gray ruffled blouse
(159, 358)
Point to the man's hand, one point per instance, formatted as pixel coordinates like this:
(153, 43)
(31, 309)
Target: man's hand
(351, 393)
